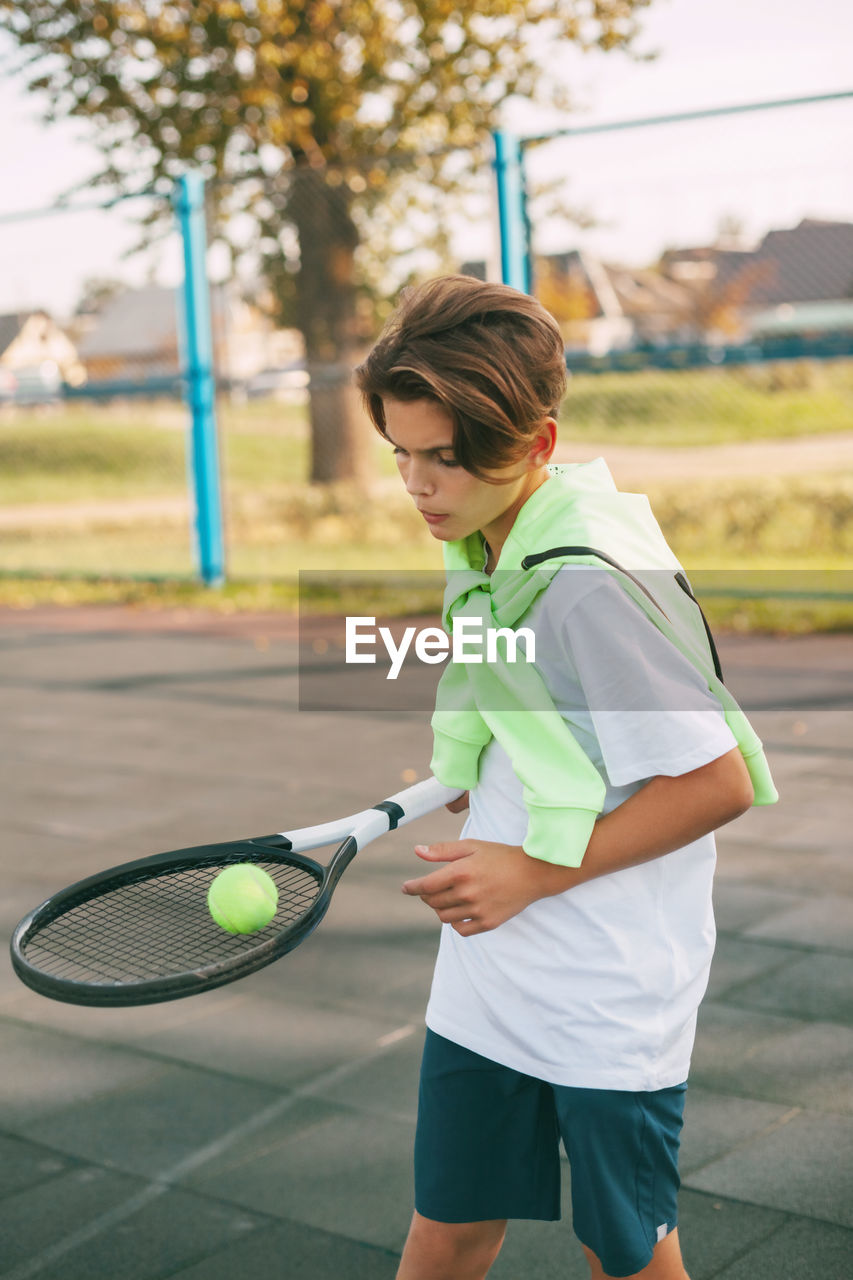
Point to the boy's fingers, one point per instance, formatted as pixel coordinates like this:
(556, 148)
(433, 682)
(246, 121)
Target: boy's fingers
(444, 880)
(428, 886)
(455, 916)
(445, 850)
(449, 851)
(467, 928)
(442, 899)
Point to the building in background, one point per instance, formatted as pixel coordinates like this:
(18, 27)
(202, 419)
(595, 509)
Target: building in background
(796, 281)
(134, 340)
(795, 268)
(36, 357)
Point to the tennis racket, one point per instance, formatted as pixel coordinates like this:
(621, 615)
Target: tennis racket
(141, 933)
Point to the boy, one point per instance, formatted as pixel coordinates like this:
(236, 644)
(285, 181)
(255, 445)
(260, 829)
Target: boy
(577, 929)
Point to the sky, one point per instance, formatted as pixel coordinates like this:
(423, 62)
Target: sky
(646, 189)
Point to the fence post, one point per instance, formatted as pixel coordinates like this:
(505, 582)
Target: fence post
(200, 384)
(512, 213)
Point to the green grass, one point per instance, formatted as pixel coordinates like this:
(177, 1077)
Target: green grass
(70, 458)
(725, 614)
(23, 592)
(789, 521)
(74, 454)
(278, 524)
(264, 444)
(755, 541)
(265, 416)
(79, 453)
(786, 522)
(714, 406)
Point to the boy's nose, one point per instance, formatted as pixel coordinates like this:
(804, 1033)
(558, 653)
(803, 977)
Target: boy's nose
(417, 481)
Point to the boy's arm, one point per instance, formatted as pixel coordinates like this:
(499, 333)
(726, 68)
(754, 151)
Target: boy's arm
(485, 883)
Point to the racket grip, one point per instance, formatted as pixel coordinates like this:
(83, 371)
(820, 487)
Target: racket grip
(422, 798)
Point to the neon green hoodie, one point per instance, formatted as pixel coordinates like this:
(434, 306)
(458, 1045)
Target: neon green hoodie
(576, 517)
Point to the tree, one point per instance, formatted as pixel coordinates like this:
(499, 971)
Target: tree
(96, 292)
(316, 121)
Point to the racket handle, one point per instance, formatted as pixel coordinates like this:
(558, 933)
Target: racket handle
(398, 809)
(422, 798)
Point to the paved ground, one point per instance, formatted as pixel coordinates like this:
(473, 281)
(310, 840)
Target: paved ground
(265, 1130)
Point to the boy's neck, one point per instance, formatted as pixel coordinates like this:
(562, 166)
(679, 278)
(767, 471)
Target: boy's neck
(496, 534)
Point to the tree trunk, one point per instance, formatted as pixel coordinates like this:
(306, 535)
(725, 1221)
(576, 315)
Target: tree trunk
(325, 288)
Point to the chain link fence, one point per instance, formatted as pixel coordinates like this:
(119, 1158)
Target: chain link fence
(716, 246)
(701, 271)
(93, 471)
(353, 238)
(95, 454)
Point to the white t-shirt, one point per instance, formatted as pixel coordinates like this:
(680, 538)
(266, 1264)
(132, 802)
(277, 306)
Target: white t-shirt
(597, 987)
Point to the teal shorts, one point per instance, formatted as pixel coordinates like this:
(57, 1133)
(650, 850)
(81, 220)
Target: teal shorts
(487, 1147)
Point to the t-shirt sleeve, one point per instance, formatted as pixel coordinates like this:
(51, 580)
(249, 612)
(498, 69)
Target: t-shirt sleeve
(651, 710)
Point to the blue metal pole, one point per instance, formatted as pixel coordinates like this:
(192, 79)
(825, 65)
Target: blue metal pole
(199, 380)
(512, 215)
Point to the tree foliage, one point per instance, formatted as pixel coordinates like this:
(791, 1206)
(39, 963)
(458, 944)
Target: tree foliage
(320, 122)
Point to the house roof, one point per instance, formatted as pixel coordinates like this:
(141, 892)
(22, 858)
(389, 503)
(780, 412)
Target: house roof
(812, 262)
(578, 263)
(140, 322)
(11, 325)
(133, 322)
(642, 291)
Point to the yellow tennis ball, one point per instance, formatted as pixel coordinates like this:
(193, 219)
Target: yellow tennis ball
(242, 898)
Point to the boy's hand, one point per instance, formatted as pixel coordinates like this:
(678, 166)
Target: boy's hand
(484, 883)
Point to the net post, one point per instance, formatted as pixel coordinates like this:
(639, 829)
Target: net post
(512, 212)
(188, 199)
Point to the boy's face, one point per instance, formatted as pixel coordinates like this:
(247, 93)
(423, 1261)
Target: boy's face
(453, 502)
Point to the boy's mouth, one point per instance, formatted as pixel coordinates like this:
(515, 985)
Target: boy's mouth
(433, 517)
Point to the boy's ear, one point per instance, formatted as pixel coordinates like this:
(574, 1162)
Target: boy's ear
(544, 444)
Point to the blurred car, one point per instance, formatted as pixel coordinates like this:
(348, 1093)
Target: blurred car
(8, 386)
(280, 382)
(38, 384)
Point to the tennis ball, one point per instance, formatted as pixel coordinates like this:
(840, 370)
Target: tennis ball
(242, 898)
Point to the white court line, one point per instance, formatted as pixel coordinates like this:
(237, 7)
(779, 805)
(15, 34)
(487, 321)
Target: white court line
(165, 1181)
(394, 1037)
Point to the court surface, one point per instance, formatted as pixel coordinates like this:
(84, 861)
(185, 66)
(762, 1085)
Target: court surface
(265, 1129)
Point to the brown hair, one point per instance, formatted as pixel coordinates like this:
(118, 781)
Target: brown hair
(491, 356)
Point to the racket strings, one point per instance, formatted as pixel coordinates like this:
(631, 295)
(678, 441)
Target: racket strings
(157, 927)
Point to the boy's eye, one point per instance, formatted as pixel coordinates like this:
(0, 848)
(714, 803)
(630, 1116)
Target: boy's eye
(443, 462)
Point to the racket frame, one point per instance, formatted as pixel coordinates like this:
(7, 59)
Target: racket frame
(286, 848)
